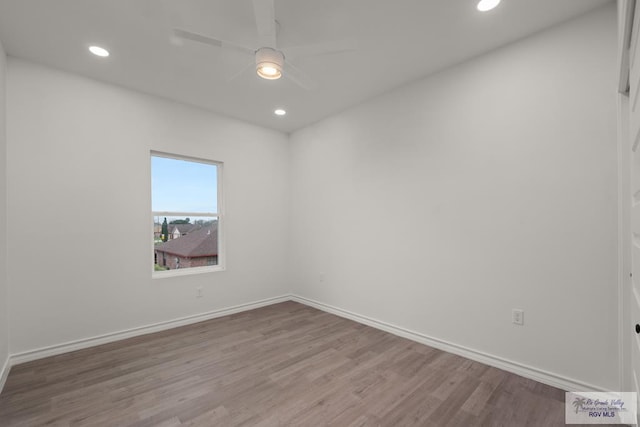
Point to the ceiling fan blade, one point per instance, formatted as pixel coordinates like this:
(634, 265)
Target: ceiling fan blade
(250, 65)
(265, 22)
(324, 48)
(188, 35)
(298, 76)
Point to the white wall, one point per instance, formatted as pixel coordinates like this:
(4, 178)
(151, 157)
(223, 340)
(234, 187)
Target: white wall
(80, 174)
(4, 305)
(442, 205)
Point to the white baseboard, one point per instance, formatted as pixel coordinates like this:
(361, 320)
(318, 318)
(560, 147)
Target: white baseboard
(4, 372)
(539, 375)
(27, 356)
(488, 359)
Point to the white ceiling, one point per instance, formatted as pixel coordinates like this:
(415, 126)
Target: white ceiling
(397, 41)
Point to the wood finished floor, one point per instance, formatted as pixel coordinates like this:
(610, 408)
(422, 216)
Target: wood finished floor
(281, 365)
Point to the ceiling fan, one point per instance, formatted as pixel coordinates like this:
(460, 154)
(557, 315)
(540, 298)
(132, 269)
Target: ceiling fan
(270, 62)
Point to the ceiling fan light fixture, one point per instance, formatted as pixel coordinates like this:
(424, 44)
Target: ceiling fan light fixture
(269, 71)
(269, 63)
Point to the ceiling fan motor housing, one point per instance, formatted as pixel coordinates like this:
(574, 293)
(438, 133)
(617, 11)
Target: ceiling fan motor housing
(269, 63)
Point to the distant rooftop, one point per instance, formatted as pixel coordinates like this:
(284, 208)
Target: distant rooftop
(199, 242)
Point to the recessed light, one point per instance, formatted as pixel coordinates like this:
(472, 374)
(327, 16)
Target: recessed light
(99, 51)
(487, 5)
(279, 112)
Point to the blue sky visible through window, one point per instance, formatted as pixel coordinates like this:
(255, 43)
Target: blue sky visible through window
(183, 186)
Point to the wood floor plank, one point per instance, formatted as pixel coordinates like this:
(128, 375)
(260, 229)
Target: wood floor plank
(281, 365)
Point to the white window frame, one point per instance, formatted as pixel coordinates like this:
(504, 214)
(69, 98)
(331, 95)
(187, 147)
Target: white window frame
(219, 215)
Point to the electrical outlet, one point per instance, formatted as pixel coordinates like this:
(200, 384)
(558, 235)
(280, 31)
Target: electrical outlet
(199, 292)
(517, 316)
(321, 277)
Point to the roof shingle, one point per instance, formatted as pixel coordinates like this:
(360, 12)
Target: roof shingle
(197, 243)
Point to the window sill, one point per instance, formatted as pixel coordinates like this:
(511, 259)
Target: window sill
(185, 272)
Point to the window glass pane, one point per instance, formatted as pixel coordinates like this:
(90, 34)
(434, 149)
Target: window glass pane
(185, 242)
(183, 186)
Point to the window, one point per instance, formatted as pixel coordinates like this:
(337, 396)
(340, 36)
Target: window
(186, 212)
